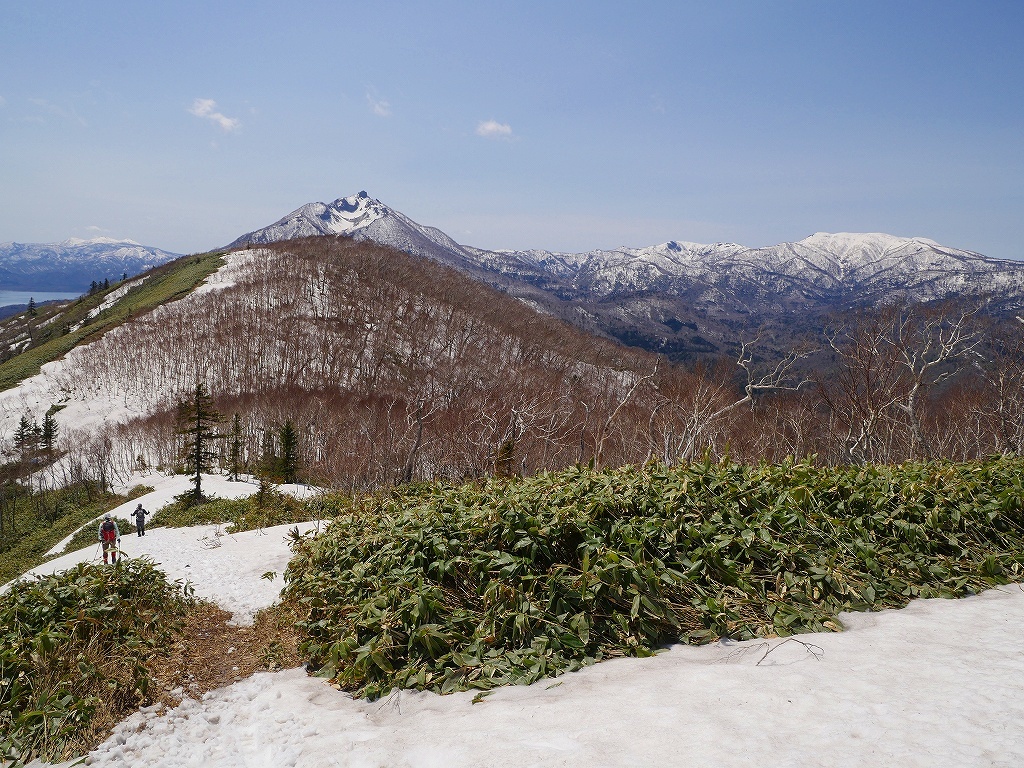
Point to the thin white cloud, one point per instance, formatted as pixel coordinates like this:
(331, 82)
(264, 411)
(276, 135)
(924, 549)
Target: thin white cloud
(380, 107)
(204, 108)
(94, 228)
(64, 113)
(492, 129)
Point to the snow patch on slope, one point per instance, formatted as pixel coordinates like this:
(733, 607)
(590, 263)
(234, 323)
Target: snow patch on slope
(111, 299)
(224, 568)
(936, 684)
(89, 409)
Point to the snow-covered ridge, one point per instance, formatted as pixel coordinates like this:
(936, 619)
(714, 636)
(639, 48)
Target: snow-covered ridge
(72, 241)
(821, 265)
(841, 255)
(73, 264)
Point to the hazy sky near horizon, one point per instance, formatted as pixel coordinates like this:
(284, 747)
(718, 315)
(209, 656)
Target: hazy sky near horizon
(558, 125)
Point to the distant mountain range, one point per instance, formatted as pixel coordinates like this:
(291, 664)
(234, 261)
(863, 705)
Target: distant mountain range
(685, 299)
(680, 298)
(73, 264)
(382, 348)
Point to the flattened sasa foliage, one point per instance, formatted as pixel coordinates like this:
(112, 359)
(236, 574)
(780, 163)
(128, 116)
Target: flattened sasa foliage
(450, 588)
(73, 648)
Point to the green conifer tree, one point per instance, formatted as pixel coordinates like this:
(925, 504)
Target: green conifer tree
(198, 421)
(268, 454)
(49, 433)
(505, 461)
(289, 463)
(235, 448)
(26, 437)
(268, 468)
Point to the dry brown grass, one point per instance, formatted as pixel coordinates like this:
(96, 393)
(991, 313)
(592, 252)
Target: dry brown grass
(212, 653)
(113, 688)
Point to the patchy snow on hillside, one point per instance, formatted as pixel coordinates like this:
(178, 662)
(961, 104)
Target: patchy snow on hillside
(938, 683)
(166, 487)
(224, 568)
(235, 263)
(87, 407)
(115, 296)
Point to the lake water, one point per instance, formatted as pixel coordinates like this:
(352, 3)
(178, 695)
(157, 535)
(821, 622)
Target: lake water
(22, 297)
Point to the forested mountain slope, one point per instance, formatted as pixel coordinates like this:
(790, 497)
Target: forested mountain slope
(392, 367)
(690, 300)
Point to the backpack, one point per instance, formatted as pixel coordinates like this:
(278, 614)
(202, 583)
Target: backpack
(108, 530)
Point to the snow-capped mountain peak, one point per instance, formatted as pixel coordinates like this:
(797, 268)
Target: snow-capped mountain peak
(680, 293)
(822, 261)
(363, 218)
(76, 241)
(345, 216)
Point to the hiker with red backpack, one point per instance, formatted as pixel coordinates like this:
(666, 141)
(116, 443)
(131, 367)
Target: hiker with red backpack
(110, 537)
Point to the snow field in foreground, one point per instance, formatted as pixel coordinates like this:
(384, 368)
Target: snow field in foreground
(936, 684)
(224, 568)
(939, 683)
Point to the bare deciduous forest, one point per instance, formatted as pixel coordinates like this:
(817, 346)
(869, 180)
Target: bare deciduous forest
(392, 368)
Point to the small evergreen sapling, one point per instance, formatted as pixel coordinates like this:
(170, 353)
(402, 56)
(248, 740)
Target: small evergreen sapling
(235, 448)
(197, 424)
(289, 462)
(267, 468)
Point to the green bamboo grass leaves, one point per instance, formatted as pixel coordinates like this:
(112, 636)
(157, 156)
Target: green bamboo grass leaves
(73, 645)
(451, 588)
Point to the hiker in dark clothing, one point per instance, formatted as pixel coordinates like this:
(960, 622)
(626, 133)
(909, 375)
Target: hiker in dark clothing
(110, 537)
(140, 520)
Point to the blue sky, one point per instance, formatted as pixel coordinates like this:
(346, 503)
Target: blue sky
(560, 125)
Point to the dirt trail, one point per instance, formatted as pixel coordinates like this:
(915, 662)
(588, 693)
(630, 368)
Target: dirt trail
(213, 653)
